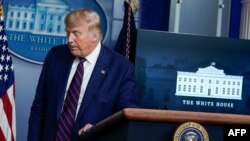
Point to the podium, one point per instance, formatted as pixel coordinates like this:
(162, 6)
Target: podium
(133, 124)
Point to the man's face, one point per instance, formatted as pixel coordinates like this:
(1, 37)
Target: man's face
(79, 39)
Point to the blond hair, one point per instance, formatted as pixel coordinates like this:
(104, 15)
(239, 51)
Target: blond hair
(86, 15)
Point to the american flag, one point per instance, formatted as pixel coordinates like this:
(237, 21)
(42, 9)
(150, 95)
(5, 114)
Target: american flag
(7, 87)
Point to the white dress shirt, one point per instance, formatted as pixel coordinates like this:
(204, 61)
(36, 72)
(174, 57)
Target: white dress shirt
(89, 65)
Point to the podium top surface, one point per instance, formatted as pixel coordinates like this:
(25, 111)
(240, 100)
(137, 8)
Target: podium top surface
(153, 115)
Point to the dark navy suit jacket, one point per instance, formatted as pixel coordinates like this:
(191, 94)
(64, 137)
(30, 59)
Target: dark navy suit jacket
(111, 88)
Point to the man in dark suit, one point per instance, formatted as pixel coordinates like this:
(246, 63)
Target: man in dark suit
(108, 81)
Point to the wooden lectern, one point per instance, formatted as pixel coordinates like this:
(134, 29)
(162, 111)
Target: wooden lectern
(160, 125)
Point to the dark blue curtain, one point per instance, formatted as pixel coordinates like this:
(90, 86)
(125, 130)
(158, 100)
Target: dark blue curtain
(234, 29)
(155, 14)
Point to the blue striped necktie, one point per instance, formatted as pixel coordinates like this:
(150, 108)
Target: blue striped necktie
(67, 119)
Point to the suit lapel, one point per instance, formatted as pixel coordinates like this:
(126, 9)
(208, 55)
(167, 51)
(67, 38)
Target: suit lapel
(100, 69)
(62, 82)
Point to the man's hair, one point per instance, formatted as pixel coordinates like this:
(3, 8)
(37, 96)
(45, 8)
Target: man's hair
(86, 15)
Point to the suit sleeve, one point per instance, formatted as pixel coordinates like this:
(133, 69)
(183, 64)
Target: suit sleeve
(37, 113)
(127, 90)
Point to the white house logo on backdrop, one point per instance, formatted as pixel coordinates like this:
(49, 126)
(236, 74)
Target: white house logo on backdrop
(34, 28)
(209, 82)
(44, 17)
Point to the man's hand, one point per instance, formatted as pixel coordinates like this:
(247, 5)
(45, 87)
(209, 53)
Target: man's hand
(85, 129)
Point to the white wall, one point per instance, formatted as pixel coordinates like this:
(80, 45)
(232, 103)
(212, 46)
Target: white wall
(200, 17)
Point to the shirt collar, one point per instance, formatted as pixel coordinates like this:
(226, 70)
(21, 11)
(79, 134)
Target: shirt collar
(92, 57)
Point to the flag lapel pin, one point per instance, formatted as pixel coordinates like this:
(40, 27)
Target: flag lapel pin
(103, 72)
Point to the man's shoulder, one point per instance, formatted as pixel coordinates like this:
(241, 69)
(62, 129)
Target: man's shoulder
(59, 51)
(113, 54)
(115, 59)
(59, 47)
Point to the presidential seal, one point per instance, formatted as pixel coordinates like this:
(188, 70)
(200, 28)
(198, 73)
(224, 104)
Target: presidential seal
(190, 131)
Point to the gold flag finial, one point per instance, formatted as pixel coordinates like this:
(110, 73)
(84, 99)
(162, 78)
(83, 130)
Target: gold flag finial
(134, 4)
(1, 8)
